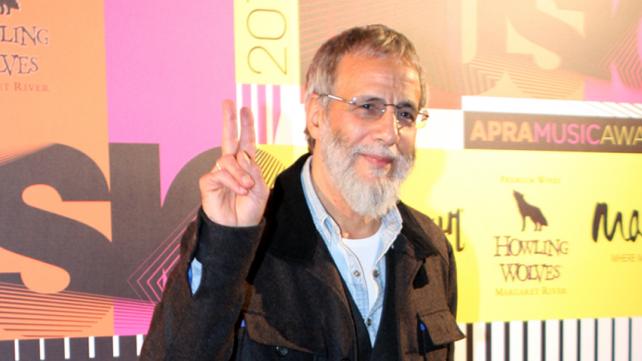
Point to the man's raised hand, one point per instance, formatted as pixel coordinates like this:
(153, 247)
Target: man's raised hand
(234, 193)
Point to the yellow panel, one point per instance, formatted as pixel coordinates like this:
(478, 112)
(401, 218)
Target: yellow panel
(266, 36)
(526, 222)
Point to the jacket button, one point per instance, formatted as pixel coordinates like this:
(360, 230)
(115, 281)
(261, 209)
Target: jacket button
(282, 351)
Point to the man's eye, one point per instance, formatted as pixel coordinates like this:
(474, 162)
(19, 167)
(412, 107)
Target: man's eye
(406, 114)
(367, 106)
(368, 110)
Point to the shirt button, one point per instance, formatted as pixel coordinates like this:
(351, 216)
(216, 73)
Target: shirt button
(356, 273)
(375, 273)
(369, 322)
(282, 351)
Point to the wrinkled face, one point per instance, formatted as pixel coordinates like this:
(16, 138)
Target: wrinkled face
(368, 158)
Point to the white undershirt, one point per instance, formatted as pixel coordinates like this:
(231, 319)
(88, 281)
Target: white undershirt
(366, 251)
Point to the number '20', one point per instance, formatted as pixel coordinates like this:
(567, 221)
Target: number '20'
(274, 18)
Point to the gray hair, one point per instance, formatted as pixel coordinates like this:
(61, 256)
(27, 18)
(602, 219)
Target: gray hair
(371, 40)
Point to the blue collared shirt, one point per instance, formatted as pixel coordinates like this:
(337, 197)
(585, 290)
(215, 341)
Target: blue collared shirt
(346, 261)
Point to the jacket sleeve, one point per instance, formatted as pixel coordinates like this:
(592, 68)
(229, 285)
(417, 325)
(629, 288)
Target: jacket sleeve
(451, 293)
(202, 326)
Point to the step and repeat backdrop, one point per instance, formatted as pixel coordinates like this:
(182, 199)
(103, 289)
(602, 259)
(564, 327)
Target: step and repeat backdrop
(110, 111)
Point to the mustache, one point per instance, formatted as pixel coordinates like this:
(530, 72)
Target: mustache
(393, 154)
(376, 150)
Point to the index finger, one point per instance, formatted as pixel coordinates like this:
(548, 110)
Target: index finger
(229, 141)
(247, 141)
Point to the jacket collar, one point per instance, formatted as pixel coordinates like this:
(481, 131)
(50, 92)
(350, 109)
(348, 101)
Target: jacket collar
(290, 232)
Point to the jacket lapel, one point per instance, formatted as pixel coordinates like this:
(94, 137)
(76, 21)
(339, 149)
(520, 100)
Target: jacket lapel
(292, 235)
(291, 231)
(415, 261)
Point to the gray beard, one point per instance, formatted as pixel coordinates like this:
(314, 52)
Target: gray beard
(367, 198)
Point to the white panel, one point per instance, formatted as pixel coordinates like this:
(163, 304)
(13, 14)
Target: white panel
(516, 340)
(239, 98)
(621, 339)
(443, 131)
(254, 99)
(139, 344)
(620, 110)
(479, 341)
(497, 341)
(41, 347)
(292, 121)
(67, 350)
(534, 340)
(549, 106)
(116, 346)
(604, 339)
(269, 114)
(91, 342)
(570, 340)
(460, 346)
(239, 104)
(603, 109)
(16, 350)
(636, 338)
(537, 106)
(587, 339)
(552, 340)
(628, 110)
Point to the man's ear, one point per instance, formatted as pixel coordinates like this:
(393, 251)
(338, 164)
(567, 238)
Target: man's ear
(314, 113)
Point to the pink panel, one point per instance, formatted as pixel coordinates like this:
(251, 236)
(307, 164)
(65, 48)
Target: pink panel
(169, 66)
(614, 90)
(132, 317)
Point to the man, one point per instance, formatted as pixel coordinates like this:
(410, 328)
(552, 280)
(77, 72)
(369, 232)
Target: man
(329, 265)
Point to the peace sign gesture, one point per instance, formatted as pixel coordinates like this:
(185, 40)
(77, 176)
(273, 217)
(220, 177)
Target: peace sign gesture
(234, 193)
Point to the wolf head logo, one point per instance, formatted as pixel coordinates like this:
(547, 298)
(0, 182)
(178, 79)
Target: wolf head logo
(7, 5)
(529, 211)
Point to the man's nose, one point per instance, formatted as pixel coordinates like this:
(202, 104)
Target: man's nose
(388, 125)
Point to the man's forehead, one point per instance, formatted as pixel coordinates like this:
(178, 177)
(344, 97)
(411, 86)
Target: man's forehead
(389, 61)
(378, 73)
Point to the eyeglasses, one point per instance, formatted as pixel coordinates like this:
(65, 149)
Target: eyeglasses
(370, 108)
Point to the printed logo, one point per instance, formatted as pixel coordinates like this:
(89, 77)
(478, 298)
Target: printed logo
(7, 5)
(451, 226)
(532, 261)
(529, 211)
(19, 58)
(552, 132)
(601, 217)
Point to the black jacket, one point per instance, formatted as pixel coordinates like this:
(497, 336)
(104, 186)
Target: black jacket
(273, 291)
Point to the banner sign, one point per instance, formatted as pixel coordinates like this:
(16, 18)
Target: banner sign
(110, 112)
(552, 132)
